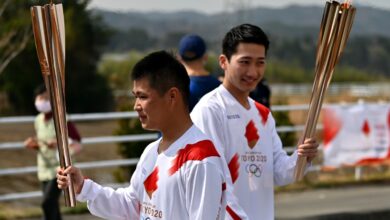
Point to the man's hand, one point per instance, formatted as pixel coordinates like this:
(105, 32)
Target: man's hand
(31, 143)
(63, 178)
(308, 149)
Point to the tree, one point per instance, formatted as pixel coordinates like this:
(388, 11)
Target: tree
(117, 71)
(14, 33)
(86, 91)
(86, 36)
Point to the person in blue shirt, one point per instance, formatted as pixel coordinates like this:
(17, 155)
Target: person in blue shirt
(192, 54)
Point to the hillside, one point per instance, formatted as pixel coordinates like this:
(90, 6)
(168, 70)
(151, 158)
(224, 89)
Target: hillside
(288, 22)
(293, 31)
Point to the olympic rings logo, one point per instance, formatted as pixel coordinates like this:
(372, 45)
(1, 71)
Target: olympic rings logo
(254, 170)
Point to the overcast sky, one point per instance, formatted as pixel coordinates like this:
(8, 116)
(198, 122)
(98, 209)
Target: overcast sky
(212, 6)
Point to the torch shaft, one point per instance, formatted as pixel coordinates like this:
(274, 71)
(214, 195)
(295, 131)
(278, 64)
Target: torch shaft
(49, 39)
(334, 31)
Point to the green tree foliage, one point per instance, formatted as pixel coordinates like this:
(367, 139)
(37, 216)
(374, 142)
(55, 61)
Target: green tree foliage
(284, 72)
(300, 51)
(212, 65)
(370, 54)
(117, 70)
(86, 91)
(282, 119)
(278, 71)
(364, 58)
(85, 37)
(20, 79)
(21, 72)
(344, 73)
(14, 33)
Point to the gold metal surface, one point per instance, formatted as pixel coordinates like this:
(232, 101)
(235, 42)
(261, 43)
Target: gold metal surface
(334, 31)
(49, 33)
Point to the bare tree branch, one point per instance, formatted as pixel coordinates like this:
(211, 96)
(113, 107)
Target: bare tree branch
(3, 7)
(5, 40)
(15, 49)
(12, 42)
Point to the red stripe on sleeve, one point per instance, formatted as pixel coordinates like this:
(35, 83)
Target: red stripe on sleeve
(223, 186)
(197, 151)
(234, 166)
(232, 213)
(263, 111)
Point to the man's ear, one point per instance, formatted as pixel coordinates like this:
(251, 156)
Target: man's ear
(173, 94)
(223, 61)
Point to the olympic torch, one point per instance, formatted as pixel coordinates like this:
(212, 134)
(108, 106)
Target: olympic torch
(334, 32)
(49, 33)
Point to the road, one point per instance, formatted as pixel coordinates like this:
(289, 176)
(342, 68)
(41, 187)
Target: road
(349, 202)
(352, 203)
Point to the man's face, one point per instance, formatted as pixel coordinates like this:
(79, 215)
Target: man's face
(150, 105)
(245, 69)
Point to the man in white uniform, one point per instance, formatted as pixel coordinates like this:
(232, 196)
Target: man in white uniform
(180, 175)
(244, 130)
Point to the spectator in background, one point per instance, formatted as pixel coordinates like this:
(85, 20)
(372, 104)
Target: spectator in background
(192, 52)
(45, 144)
(262, 93)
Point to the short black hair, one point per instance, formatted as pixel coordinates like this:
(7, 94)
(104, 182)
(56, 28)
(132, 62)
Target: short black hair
(244, 33)
(163, 71)
(39, 90)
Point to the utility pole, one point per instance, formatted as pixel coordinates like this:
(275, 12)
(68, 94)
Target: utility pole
(240, 7)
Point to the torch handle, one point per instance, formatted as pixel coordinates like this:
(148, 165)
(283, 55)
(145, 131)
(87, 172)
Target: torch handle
(334, 31)
(49, 34)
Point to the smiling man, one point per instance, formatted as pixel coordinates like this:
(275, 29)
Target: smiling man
(180, 175)
(244, 130)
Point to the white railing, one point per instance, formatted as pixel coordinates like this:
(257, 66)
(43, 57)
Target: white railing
(109, 139)
(335, 89)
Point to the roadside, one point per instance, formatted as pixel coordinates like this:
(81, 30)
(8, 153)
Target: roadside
(341, 203)
(348, 202)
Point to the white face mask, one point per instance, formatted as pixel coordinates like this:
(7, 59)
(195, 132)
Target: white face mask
(43, 106)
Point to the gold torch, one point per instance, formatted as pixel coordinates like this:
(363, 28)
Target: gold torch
(334, 32)
(49, 33)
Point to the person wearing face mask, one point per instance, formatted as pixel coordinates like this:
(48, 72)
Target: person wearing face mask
(45, 144)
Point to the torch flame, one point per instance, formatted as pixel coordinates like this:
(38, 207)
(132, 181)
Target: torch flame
(346, 4)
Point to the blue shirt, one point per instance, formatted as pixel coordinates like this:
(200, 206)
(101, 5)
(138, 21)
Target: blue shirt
(199, 86)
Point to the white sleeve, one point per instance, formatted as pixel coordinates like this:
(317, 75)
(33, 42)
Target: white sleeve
(210, 122)
(108, 203)
(204, 191)
(284, 165)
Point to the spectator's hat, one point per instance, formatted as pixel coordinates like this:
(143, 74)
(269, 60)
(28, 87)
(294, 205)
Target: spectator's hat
(191, 47)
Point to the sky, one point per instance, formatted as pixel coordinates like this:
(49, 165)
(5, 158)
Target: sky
(213, 6)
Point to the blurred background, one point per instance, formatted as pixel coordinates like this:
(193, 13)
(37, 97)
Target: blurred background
(104, 39)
